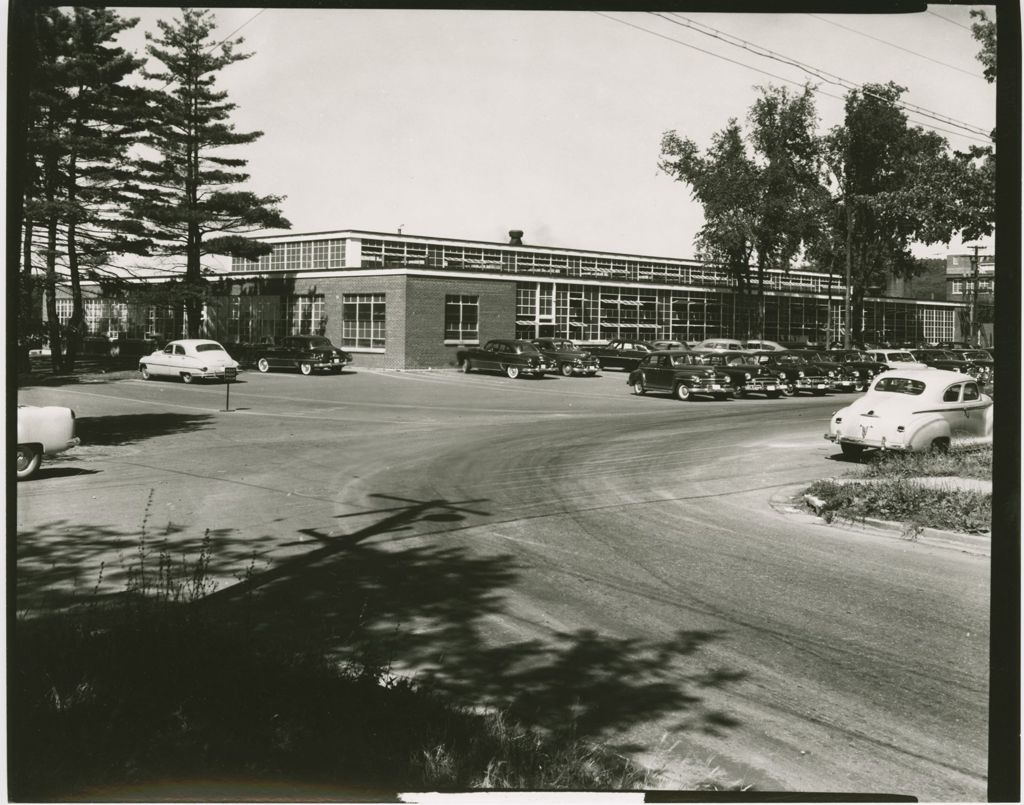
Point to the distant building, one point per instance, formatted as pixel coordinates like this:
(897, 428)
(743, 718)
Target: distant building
(974, 287)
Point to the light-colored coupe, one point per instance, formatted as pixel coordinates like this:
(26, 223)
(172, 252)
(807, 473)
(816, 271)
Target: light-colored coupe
(42, 431)
(189, 359)
(914, 410)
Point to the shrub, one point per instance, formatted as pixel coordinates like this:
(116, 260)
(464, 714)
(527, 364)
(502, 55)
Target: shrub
(904, 501)
(963, 462)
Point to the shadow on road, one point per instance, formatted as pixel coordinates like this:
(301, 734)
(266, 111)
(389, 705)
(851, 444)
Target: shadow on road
(130, 428)
(413, 606)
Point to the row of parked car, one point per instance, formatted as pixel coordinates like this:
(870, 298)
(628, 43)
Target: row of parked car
(717, 368)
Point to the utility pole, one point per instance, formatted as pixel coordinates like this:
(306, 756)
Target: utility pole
(972, 338)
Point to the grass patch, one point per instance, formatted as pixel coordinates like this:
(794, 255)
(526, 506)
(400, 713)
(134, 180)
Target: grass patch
(962, 462)
(152, 684)
(904, 501)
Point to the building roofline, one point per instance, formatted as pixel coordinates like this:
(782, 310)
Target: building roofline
(485, 243)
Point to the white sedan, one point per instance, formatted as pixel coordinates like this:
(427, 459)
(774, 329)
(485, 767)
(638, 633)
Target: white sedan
(189, 359)
(42, 431)
(914, 410)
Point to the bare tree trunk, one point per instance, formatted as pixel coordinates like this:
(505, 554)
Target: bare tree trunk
(51, 295)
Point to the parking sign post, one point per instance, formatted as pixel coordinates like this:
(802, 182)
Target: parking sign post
(230, 374)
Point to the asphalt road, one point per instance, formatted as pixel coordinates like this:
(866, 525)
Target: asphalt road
(560, 547)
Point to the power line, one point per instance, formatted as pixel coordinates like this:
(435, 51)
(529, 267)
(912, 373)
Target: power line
(947, 19)
(983, 139)
(900, 47)
(824, 75)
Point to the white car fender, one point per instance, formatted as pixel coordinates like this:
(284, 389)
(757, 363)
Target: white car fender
(925, 428)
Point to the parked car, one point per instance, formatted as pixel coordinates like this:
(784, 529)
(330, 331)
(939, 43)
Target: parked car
(42, 431)
(721, 345)
(677, 345)
(982, 360)
(566, 357)
(840, 376)
(512, 357)
(914, 410)
(764, 346)
(953, 362)
(896, 358)
(861, 365)
(620, 354)
(189, 359)
(307, 353)
(681, 374)
(795, 373)
(745, 373)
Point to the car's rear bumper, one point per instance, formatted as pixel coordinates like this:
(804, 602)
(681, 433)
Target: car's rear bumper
(878, 444)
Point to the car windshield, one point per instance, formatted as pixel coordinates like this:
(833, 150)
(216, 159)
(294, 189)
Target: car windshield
(320, 343)
(789, 359)
(899, 385)
(977, 355)
(683, 360)
(209, 348)
(565, 346)
(905, 357)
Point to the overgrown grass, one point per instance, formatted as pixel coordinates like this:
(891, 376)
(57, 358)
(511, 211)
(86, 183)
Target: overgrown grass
(963, 462)
(151, 685)
(904, 501)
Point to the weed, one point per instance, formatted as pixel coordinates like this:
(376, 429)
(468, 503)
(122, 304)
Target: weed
(963, 462)
(903, 501)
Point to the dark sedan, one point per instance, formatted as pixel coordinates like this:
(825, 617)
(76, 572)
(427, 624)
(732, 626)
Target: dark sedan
(307, 353)
(745, 373)
(510, 357)
(566, 357)
(795, 373)
(859, 363)
(841, 376)
(681, 374)
(620, 354)
(958, 361)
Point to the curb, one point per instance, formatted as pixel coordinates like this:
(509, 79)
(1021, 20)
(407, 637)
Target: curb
(976, 544)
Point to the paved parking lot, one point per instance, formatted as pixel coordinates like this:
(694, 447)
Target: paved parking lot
(469, 516)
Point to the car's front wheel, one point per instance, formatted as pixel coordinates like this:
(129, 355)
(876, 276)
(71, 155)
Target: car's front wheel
(512, 372)
(144, 371)
(263, 365)
(788, 389)
(639, 387)
(567, 370)
(467, 366)
(28, 459)
(306, 368)
(860, 385)
(186, 377)
(682, 392)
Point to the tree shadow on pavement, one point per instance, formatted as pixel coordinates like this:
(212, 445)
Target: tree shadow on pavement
(392, 597)
(122, 429)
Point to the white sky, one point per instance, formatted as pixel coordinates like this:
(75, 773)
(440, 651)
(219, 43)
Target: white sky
(467, 124)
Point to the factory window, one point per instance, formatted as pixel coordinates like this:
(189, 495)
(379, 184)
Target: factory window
(307, 315)
(363, 318)
(461, 318)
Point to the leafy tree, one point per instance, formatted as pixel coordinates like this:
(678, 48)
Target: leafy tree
(984, 31)
(892, 186)
(760, 203)
(80, 125)
(191, 203)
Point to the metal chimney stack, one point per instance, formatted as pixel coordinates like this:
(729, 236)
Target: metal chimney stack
(515, 237)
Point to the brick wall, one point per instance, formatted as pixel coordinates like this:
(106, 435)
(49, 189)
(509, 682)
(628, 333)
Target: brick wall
(425, 347)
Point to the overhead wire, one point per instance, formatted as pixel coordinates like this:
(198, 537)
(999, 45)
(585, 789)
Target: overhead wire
(899, 47)
(820, 91)
(947, 19)
(824, 75)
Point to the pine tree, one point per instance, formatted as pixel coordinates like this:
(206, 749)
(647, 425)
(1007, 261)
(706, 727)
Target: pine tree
(192, 204)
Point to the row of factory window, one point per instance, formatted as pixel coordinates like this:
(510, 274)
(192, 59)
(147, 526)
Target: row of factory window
(585, 314)
(381, 253)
